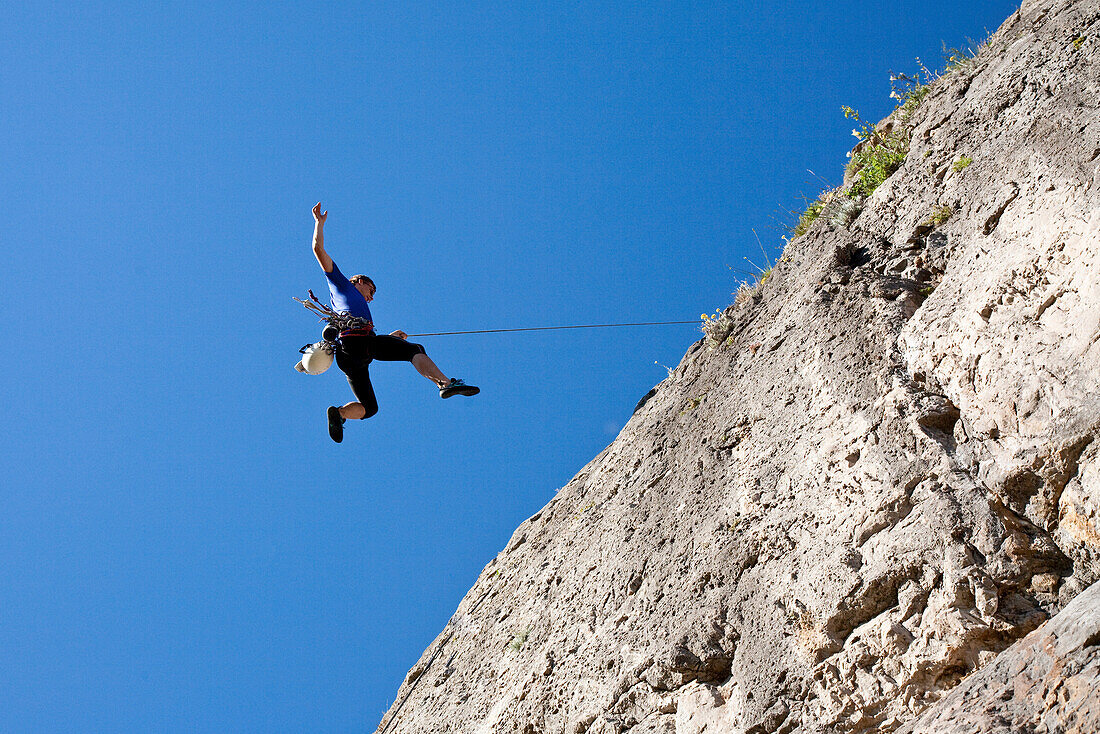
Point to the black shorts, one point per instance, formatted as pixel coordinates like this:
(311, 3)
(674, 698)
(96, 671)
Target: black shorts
(354, 354)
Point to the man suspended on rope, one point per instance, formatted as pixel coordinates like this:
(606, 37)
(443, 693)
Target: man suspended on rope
(357, 347)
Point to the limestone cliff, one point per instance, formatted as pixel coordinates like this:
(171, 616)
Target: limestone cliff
(879, 471)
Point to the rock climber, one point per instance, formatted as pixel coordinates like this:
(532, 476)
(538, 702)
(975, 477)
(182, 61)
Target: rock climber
(356, 347)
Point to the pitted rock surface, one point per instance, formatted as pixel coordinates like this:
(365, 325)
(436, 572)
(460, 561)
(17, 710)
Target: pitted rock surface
(1048, 682)
(879, 476)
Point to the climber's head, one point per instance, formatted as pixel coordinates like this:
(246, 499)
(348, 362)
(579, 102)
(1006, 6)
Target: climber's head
(364, 285)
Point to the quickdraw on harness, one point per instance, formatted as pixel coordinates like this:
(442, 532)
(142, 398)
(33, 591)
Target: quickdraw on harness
(343, 324)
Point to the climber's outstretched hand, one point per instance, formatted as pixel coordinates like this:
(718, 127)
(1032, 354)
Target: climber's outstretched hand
(319, 238)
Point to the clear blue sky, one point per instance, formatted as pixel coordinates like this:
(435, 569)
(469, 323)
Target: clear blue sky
(182, 548)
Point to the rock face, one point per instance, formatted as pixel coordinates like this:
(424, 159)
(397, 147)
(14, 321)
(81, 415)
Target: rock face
(1049, 682)
(879, 472)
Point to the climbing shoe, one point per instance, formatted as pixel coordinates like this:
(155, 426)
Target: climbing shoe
(457, 387)
(335, 424)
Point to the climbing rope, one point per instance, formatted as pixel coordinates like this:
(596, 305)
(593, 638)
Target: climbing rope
(343, 321)
(552, 328)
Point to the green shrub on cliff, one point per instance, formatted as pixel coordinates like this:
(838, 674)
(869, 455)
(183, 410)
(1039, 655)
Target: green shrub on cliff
(876, 157)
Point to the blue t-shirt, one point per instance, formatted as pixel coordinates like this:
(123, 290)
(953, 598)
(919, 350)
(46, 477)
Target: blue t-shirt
(344, 297)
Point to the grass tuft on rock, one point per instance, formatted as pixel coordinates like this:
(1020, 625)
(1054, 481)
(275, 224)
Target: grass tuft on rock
(938, 216)
(808, 217)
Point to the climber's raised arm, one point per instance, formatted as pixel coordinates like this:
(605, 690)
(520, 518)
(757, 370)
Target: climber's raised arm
(319, 218)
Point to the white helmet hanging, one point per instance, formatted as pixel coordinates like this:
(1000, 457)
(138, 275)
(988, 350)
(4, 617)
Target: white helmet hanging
(317, 358)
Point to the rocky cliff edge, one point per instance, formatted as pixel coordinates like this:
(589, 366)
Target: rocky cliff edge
(876, 473)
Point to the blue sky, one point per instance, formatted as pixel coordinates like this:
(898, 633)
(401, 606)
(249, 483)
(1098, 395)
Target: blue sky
(182, 548)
